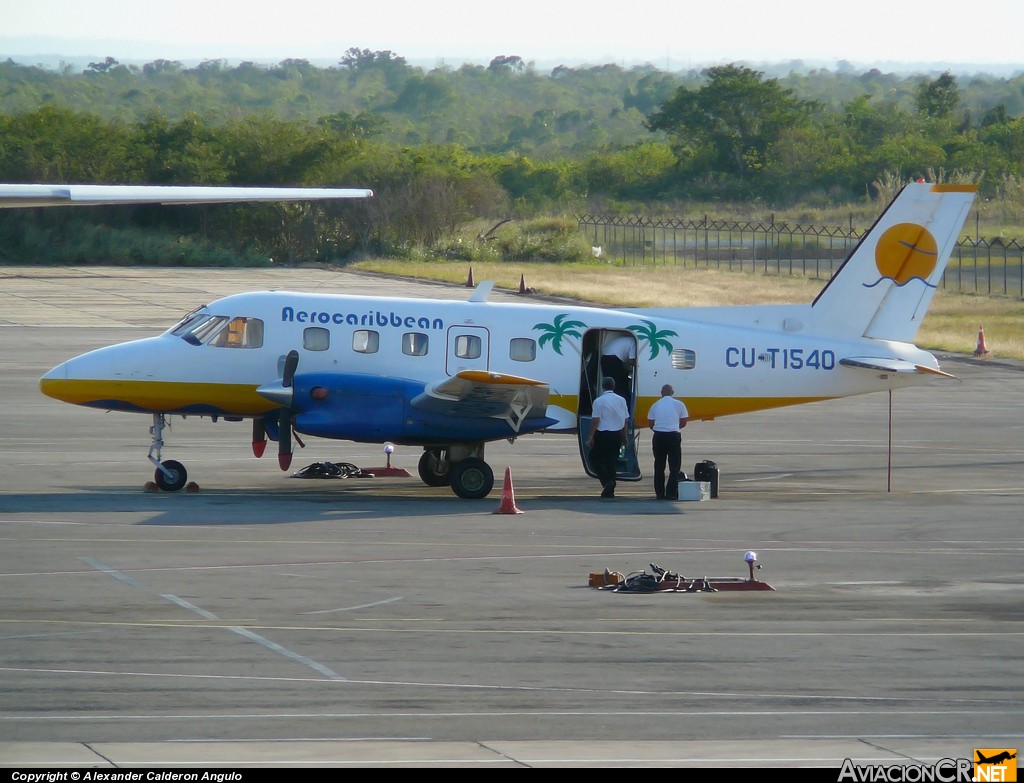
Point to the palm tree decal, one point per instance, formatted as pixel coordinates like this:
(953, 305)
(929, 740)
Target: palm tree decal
(558, 330)
(655, 340)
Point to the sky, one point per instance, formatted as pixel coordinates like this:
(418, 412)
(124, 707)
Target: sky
(672, 35)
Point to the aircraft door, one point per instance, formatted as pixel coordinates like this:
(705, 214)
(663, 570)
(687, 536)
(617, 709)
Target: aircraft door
(599, 346)
(469, 348)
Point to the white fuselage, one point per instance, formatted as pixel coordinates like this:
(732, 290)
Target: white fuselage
(768, 357)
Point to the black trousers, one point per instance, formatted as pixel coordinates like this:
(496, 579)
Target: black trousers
(604, 459)
(668, 448)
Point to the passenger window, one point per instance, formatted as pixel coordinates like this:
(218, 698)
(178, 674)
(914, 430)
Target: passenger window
(522, 349)
(684, 359)
(414, 344)
(468, 346)
(365, 341)
(316, 338)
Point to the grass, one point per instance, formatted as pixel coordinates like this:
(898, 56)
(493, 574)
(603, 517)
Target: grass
(951, 324)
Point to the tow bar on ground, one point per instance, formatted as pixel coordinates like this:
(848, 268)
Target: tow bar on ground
(663, 580)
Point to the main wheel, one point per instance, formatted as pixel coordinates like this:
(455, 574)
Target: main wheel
(472, 478)
(434, 471)
(175, 481)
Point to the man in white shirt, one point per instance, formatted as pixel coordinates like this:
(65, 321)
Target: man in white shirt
(666, 417)
(607, 435)
(618, 358)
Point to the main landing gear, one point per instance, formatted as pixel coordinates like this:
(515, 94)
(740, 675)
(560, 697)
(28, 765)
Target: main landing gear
(460, 466)
(171, 475)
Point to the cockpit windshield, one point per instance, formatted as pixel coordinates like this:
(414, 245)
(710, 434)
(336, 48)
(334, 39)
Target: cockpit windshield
(220, 331)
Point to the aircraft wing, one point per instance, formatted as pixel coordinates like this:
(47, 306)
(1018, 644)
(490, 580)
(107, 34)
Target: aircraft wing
(94, 195)
(892, 366)
(482, 394)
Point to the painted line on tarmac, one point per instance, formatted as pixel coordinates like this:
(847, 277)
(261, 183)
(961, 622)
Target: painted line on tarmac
(255, 637)
(986, 706)
(359, 606)
(540, 713)
(113, 572)
(243, 632)
(554, 631)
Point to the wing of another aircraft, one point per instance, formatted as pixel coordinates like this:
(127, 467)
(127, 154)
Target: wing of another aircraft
(95, 195)
(482, 394)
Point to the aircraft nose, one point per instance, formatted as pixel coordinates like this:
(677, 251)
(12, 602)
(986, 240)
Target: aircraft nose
(55, 382)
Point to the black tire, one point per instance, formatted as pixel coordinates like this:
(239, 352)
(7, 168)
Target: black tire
(472, 478)
(175, 481)
(434, 471)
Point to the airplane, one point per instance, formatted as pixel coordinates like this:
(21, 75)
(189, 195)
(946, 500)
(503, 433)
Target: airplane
(1003, 756)
(450, 376)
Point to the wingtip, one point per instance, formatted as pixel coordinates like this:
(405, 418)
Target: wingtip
(934, 371)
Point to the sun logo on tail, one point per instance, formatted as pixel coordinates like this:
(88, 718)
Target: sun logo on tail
(905, 252)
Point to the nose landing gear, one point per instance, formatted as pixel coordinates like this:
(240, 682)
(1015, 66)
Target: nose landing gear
(171, 475)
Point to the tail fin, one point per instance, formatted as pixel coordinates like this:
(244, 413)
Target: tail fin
(885, 286)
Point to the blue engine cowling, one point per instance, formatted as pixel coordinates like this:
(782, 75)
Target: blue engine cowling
(374, 409)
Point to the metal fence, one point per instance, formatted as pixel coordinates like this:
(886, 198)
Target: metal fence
(991, 267)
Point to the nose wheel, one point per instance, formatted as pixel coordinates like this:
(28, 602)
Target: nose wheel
(170, 475)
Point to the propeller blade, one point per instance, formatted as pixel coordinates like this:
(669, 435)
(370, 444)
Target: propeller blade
(259, 437)
(291, 363)
(284, 439)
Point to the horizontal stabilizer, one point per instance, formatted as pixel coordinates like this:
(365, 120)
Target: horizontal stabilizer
(481, 394)
(892, 366)
(95, 195)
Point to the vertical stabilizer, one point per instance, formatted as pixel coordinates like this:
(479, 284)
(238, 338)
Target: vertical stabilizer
(884, 288)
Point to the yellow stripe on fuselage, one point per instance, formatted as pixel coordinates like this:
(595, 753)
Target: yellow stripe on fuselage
(159, 396)
(242, 399)
(700, 407)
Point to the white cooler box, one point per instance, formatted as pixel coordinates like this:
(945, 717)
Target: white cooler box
(694, 490)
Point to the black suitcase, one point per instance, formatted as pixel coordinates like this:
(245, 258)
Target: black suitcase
(707, 470)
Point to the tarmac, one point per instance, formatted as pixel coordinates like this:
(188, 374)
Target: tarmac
(266, 621)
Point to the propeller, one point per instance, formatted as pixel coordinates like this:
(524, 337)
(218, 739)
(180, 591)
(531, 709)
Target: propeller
(284, 422)
(281, 394)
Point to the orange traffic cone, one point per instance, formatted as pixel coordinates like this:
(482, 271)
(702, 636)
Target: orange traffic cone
(982, 349)
(469, 280)
(508, 496)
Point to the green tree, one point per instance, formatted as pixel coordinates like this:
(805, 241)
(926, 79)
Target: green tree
(186, 152)
(507, 63)
(393, 68)
(650, 91)
(938, 98)
(423, 95)
(728, 124)
(639, 171)
(60, 145)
